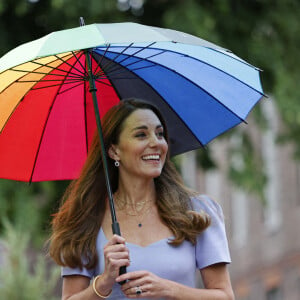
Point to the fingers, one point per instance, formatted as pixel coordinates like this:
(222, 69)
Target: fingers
(116, 239)
(138, 292)
(142, 284)
(134, 280)
(115, 249)
(132, 276)
(138, 289)
(116, 255)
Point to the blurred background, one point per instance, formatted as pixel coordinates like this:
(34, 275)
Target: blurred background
(253, 171)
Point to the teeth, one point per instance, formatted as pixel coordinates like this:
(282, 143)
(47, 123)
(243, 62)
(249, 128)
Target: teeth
(148, 157)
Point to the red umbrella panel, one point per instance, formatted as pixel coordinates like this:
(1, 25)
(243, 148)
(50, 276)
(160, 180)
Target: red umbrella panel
(50, 128)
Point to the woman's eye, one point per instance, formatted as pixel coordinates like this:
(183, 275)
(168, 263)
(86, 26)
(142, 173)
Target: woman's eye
(140, 134)
(160, 134)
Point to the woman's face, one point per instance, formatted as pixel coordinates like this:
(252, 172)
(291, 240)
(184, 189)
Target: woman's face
(142, 148)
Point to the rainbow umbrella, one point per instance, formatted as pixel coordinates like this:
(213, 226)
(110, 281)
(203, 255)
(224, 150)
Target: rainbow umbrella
(53, 90)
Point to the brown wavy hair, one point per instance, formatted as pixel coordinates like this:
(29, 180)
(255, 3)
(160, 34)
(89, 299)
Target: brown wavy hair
(76, 225)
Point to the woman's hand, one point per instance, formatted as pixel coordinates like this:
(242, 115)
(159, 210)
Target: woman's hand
(116, 255)
(144, 284)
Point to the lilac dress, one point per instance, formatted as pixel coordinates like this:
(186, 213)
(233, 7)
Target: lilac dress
(176, 263)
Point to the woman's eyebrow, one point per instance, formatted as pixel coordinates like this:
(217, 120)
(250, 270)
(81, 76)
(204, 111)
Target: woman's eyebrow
(145, 127)
(140, 127)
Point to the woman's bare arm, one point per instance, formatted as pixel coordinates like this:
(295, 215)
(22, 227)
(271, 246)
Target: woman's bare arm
(216, 281)
(77, 287)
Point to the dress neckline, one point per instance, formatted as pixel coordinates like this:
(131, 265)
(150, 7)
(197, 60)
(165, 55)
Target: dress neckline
(139, 246)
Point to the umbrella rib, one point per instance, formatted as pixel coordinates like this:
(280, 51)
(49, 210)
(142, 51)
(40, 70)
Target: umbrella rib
(234, 77)
(43, 132)
(235, 58)
(225, 53)
(145, 58)
(73, 75)
(160, 96)
(99, 63)
(111, 76)
(75, 78)
(102, 82)
(127, 56)
(131, 55)
(11, 113)
(113, 86)
(202, 90)
(70, 88)
(67, 81)
(52, 85)
(72, 66)
(48, 66)
(79, 62)
(71, 80)
(43, 73)
(25, 96)
(199, 60)
(106, 67)
(108, 73)
(205, 91)
(42, 65)
(138, 60)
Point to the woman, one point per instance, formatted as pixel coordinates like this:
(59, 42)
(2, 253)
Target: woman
(167, 231)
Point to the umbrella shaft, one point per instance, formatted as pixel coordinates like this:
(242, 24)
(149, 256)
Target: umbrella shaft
(115, 224)
(93, 90)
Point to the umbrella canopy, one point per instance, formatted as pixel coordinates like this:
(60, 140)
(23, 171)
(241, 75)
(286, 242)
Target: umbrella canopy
(47, 117)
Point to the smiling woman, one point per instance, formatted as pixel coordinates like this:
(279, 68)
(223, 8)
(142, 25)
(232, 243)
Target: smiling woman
(141, 148)
(168, 231)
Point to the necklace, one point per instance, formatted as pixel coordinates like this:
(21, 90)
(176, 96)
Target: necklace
(138, 210)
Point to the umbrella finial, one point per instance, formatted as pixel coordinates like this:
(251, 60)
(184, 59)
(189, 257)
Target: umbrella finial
(81, 21)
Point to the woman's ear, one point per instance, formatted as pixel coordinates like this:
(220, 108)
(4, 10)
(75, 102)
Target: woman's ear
(113, 153)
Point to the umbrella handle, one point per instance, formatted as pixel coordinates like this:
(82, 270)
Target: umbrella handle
(116, 230)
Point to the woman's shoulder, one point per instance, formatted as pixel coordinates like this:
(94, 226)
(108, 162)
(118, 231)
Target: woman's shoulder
(212, 244)
(207, 204)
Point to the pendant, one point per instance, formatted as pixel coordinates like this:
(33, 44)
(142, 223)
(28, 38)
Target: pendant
(140, 225)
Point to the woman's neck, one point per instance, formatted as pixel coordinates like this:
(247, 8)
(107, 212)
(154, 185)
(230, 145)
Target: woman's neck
(132, 193)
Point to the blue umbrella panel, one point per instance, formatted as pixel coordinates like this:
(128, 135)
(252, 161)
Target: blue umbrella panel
(202, 92)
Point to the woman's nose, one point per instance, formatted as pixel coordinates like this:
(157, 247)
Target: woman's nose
(154, 140)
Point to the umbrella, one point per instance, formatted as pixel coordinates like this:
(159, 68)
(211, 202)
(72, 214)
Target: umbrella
(53, 88)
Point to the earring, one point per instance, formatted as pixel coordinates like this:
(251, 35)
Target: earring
(117, 164)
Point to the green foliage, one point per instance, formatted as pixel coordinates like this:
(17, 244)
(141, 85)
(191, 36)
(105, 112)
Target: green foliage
(192, 17)
(17, 279)
(204, 159)
(28, 207)
(176, 160)
(246, 169)
(19, 205)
